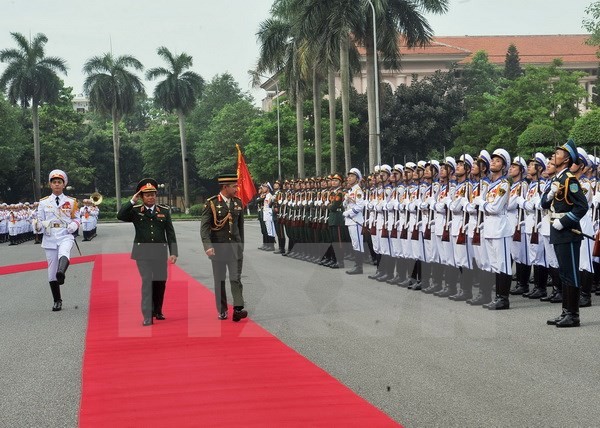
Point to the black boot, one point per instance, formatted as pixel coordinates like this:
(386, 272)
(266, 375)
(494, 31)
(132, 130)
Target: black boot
(63, 264)
(541, 283)
(501, 301)
(519, 288)
(587, 280)
(466, 286)
(55, 289)
(484, 279)
(452, 275)
(358, 264)
(571, 319)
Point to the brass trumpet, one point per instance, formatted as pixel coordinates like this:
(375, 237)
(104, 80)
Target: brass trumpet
(96, 198)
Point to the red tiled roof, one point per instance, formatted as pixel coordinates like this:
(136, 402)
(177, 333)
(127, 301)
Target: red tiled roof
(532, 49)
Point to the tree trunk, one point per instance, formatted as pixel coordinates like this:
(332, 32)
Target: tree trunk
(184, 159)
(371, 94)
(318, 122)
(37, 187)
(345, 78)
(116, 150)
(300, 131)
(332, 120)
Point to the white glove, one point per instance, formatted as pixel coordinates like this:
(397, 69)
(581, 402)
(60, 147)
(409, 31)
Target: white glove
(418, 225)
(72, 227)
(529, 205)
(471, 208)
(557, 224)
(478, 201)
(431, 224)
(520, 201)
(46, 223)
(346, 214)
(553, 190)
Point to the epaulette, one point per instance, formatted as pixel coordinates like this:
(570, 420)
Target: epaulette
(570, 174)
(211, 198)
(138, 205)
(166, 207)
(45, 197)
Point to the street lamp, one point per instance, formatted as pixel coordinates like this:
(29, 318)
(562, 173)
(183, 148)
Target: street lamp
(278, 133)
(377, 130)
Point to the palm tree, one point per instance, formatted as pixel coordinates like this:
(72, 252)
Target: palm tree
(178, 92)
(31, 79)
(283, 52)
(112, 89)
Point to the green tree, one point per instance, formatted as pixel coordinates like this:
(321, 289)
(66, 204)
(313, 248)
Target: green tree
(62, 133)
(216, 151)
(12, 148)
(538, 138)
(480, 79)
(592, 23)
(31, 79)
(422, 115)
(177, 93)
(512, 63)
(586, 131)
(543, 95)
(112, 89)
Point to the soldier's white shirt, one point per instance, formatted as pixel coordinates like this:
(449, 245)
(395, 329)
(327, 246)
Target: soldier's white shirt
(54, 219)
(494, 209)
(354, 203)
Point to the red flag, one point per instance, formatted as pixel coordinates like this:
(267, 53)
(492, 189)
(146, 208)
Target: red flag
(246, 189)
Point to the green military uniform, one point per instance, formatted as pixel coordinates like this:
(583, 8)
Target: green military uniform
(222, 228)
(153, 242)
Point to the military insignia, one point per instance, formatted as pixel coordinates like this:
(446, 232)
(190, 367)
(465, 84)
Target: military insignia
(359, 195)
(573, 187)
(502, 191)
(219, 206)
(160, 215)
(338, 198)
(66, 205)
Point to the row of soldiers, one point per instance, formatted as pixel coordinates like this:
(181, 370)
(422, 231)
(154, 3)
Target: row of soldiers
(443, 227)
(17, 222)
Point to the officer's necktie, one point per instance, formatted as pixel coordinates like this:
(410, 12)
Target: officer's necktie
(57, 201)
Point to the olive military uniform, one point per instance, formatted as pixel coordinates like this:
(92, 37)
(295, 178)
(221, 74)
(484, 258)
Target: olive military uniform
(222, 228)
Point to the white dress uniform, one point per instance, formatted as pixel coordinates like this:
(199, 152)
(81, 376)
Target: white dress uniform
(550, 255)
(587, 227)
(59, 217)
(396, 219)
(497, 228)
(354, 203)
(268, 214)
(515, 214)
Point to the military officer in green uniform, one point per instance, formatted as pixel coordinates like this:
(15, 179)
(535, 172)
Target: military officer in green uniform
(336, 223)
(567, 204)
(222, 232)
(154, 241)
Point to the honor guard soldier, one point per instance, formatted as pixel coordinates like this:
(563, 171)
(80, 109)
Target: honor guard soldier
(58, 218)
(354, 204)
(222, 233)
(568, 205)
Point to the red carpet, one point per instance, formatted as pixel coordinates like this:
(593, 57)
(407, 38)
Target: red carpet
(24, 267)
(193, 370)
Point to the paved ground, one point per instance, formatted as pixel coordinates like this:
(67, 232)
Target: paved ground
(425, 361)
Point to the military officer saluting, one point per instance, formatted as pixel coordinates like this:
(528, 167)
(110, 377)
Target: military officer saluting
(154, 240)
(568, 205)
(222, 232)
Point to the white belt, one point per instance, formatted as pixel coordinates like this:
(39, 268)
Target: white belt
(554, 216)
(56, 225)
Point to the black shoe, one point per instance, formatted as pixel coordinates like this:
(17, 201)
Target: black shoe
(384, 278)
(553, 321)
(478, 301)
(395, 280)
(528, 292)
(519, 289)
(408, 282)
(159, 316)
(498, 304)
(147, 322)
(239, 314)
(558, 298)
(447, 292)
(571, 319)
(461, 296)
(278, 252)
(443, 290)
(334, 265)
(433, 288)
(57, 306)
(223, 315)
(585, 301)
(357, 270)
(416, 286)
(549, 297)
(377, 274)
(538, 293)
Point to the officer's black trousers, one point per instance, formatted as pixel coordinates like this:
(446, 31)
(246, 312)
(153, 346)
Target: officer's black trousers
(568, 263)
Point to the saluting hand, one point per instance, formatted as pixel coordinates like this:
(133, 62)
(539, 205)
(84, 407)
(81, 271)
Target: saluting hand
(136, 197)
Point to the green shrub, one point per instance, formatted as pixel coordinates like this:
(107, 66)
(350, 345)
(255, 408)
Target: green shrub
(107, 215)
(196, 210)
(538, 138)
